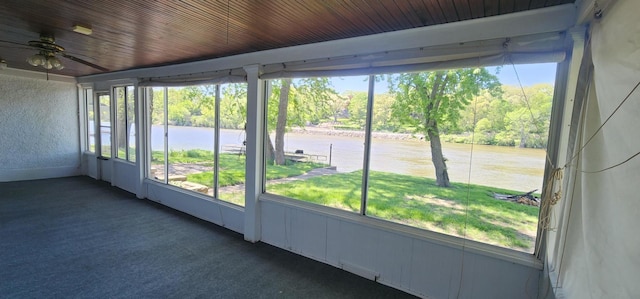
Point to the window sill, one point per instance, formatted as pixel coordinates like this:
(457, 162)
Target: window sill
(194, 194)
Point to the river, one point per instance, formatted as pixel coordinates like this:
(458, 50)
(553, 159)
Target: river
(498, 166)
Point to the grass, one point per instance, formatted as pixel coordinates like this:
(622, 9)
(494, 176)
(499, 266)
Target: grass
(419, 202)
(232, 166)
(462, 210)
(232, 169)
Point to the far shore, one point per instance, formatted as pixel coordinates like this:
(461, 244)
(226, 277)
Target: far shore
(352, 133)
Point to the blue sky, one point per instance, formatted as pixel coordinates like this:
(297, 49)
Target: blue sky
(530, 74)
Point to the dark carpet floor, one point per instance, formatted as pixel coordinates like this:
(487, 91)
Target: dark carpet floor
(80, 238)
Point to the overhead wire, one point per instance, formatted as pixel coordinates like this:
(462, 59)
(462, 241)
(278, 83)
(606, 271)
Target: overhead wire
(466, 205)
(552, 190)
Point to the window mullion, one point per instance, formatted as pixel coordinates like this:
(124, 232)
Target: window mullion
(216, 144)
(367, 146)
(166, 135)
(126, 123)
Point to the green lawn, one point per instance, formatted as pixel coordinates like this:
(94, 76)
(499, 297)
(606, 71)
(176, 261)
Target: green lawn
(405, 199)
(232, 168)
(419, 202)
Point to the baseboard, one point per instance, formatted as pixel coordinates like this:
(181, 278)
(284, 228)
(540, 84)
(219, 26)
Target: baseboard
(26, 174)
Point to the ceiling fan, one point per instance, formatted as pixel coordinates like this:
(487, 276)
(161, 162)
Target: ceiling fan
(48, 52)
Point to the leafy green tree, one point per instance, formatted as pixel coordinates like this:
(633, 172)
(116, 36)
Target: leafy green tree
(296, 102)
(356, 108)
(233, 106)
(528, 122)
(427, 100)
(383, 119)
(125, 119)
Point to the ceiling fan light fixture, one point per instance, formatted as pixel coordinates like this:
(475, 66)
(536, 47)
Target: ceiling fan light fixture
(37, 60)
(55, 62)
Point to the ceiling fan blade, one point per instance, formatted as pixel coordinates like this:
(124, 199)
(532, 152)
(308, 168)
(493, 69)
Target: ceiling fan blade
(12, 46)
(76, 59)
(13, 43)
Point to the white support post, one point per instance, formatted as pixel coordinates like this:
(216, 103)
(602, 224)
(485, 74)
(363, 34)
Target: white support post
(142, 155)
(555, 236)
(255, 157)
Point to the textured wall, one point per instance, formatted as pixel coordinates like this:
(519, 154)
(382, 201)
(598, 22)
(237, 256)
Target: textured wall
(38, 124)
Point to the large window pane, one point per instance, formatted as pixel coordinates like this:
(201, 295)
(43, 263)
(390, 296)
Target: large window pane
(121, 121)
(131, 122)
(315, 147)
(183, 136)
(104, 109)
(125, 122)
(91, 120)
(156, 99)
(415, 116)
(233, 118)
(191, 118)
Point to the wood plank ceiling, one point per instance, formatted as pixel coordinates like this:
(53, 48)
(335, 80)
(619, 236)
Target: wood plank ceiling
(139, 33)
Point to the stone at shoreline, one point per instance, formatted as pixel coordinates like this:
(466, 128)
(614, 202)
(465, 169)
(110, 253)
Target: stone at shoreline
(352, 133)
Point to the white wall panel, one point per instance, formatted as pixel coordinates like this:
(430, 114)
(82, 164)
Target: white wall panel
(435, 269)
(125, 175)
(275, 231)
(308, 234)
(396, 271)
(333, 241)
(357, 248)
(405, 261)
(106, 168)
(90, 165)
(220, 213)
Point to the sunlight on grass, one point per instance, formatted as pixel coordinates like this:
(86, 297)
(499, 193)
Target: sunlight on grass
(409, 200)
(418, 202)
(232, 171)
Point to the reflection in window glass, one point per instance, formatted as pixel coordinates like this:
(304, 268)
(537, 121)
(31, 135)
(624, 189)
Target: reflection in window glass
(315, 144)
(91, 120)
(104, 109)
(131, 123)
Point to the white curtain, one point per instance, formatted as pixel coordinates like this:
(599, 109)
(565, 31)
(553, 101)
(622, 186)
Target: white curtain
(599, 254)
(536, 48)
(237, 75)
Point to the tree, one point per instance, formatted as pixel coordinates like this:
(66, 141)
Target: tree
(528, 122)
(233, 106)
(427, 100)
(296, 103)
(281, 121)
(125, 117)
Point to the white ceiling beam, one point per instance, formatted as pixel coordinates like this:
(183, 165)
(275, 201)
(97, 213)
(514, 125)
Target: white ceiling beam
(550, 19)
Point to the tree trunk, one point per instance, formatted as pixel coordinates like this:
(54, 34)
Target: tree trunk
(122, 131)
(523, 138)
(442, 176)
(269, 149)
(281, 124)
